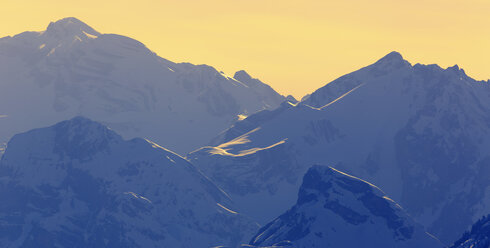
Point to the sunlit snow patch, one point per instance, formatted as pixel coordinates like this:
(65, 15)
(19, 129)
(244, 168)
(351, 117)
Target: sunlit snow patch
(241, 117)
(137, 196)
(224, 152)
(342, 96)
(91, 36)
(171, 160)
(227, 210)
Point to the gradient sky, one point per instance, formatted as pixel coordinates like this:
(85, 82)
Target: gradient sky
(295, 46)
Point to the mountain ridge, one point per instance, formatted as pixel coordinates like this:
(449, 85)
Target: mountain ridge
(335, 209)
(70, 69)
(418, 132)
(77, 183)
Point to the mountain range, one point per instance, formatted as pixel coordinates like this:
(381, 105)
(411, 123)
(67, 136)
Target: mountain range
(71, 69)
(420, 132)
(260, 169)
(79, 184)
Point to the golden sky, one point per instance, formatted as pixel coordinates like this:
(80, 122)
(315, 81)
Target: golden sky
(295, 46)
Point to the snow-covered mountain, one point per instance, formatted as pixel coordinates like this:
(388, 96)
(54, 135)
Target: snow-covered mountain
(478, 237)
(70, 69)
(418, 131)
(79, 184)
(337, 210)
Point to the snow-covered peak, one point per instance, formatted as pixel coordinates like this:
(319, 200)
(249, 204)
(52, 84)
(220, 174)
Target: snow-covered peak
(320, 178)
(83, 125)
(78, 138)
(393, 59)
(392, 56)
(386, 70)
(412, 130)
(458, 71)
(338, 210)
(70, 27)
(242, 76)
(78, 184)
(86, 135)
(251, 82)
(291, 99)
(71, 69)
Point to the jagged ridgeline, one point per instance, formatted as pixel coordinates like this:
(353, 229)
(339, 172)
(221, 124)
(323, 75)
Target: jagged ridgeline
(420, 132)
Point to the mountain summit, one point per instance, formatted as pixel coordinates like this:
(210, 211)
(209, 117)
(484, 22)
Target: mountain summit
(337, 210)
(79, 184)
(70, 26)
(420, 132)
(392, 57)
(70, 69)
(391, 61)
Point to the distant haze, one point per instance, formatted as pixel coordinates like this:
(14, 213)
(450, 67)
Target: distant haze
(295, 46)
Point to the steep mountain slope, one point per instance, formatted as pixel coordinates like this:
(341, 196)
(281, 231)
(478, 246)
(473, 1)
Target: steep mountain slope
(268, 94)
(337, 210)
(478, 237)
(71, 69)
(420, 132)
(79, 184)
